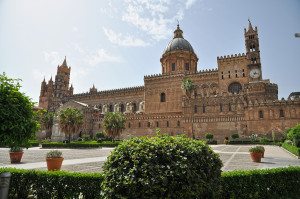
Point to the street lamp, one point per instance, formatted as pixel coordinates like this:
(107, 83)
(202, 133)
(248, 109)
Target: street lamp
(297, 34)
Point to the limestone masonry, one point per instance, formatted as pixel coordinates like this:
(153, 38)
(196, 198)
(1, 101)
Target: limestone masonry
(234, 98)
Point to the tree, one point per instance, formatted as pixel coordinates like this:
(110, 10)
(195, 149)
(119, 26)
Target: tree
(70, 121)
(46, 120)
(209, 136)
(114, 123)
(188, 86)
(17, 117)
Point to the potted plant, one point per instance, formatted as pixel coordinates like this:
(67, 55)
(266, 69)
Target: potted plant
(263, 151)
(256, 153)
(54, 160)
(15, 154)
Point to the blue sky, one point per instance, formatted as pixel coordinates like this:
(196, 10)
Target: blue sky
(113, 44)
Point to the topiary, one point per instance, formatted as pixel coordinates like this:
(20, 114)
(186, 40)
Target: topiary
(162, 167)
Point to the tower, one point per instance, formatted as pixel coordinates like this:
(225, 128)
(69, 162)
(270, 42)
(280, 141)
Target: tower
(179, 56)
(55, 93)
(253, 53)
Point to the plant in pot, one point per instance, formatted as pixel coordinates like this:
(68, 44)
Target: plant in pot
(18, 119)
(54, 160)
(256, 153)
(15, 154)
(263, 151)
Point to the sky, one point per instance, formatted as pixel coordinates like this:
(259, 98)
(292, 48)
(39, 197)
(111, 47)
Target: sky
(114, 44)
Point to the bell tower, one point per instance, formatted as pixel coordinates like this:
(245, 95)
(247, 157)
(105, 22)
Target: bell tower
(253, 52)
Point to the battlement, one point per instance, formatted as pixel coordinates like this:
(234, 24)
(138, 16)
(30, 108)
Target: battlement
(110, 92)
(153, 75)
(271, 103)
(232, 56)
(207, 71)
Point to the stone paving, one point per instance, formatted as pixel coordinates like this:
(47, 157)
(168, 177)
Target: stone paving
(91, 160)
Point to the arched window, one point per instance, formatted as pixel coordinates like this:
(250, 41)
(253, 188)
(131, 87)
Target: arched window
(178, 123)
(187, 66)
(229, 107)
(173, 66)
(148, 124)
(162, 97)
(129, 124)
(203, 108)
(111, 108)
(157, 124)
(167, 123)
(122, 108)
(100, 107)
(261, 114)
(140, 124)
(221, 107)
(281, 113)
(134, 107)
(234, 88)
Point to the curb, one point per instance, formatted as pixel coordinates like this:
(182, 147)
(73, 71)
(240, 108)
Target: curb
(298, 157)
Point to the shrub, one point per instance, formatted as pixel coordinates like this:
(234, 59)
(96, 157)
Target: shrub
(54, 154)
(59, 184)
(81, 144)
(264, 140)
(257, 149)
(293, 134)
(293, 149)
(99, 135)
(86, 137)
(162, 167)
(265, 183)
(235, 136)
(209, 136)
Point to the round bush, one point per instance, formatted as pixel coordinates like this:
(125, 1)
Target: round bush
(162, 167)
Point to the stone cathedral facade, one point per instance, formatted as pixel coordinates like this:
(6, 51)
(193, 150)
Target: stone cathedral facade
(233, 98)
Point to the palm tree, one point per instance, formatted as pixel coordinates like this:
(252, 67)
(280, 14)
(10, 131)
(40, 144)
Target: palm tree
(70, 121)
(187, 86)
(46, 120)
(114, 123)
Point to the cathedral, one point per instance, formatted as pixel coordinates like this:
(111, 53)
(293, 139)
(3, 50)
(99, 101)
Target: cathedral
(233, 98)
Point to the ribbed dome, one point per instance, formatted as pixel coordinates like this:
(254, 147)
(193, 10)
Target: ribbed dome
(178, 43)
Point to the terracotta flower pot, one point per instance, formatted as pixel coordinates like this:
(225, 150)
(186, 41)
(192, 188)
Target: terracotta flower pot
(15, 157)
(263, 154)
(256, 156)
(54, 164)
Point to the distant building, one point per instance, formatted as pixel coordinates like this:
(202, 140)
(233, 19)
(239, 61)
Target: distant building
(234, 98)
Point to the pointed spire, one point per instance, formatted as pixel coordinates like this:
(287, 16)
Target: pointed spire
(93, 85)
(71, 86)
(44, 79)
(50, 79)
(250, 25)
(178, 33)
(65, 62)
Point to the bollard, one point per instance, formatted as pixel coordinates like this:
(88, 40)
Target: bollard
(4, 185)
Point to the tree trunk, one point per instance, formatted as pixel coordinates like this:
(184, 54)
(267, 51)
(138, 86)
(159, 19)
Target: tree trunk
(69, 137)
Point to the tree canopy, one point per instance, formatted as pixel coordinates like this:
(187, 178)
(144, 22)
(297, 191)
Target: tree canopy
(17, 117)
(114, 123)
(70, 121)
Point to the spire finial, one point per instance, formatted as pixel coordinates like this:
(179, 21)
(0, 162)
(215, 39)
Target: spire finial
(178, 32)
(65, 61)
(250, 25)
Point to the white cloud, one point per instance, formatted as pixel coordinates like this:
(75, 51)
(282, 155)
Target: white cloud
(189, 3)
(155, 17)
(100, 56)
(120, 39)
(51, 57)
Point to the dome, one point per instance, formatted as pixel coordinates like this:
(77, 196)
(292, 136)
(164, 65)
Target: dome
(178, 43)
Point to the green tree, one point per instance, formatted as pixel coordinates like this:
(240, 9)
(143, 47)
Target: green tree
(114, 123)
(187, 85)
(70, 121)
(209, 136)
(46, 120)
(17, 117)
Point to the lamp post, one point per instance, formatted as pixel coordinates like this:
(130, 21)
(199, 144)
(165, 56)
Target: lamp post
(297, 34)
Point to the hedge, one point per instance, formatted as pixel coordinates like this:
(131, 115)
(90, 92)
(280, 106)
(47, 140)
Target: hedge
(266, 183)
(293, 149)
(59, 184)
(80, 144)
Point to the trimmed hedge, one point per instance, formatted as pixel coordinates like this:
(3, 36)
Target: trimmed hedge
(293, 149)
(265, 183)
(79, 144)
(59, 184)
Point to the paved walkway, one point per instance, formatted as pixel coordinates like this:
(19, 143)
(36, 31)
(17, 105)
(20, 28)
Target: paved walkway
(91, 160)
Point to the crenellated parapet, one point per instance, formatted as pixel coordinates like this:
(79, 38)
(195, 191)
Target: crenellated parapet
(111, 92)
(231, 57)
